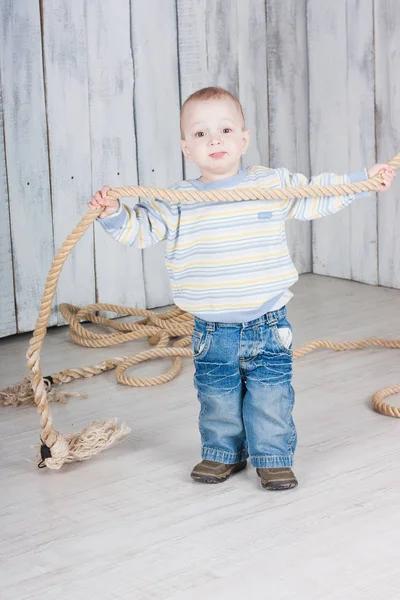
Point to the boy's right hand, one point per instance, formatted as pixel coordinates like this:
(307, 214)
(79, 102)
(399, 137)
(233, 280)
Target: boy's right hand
(100, 199)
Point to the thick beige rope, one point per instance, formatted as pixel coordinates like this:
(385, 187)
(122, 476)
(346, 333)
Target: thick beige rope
(259, 193)
(58, 449)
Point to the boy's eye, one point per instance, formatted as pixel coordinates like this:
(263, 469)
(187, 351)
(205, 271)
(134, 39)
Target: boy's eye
(226, 130)
(199, 134)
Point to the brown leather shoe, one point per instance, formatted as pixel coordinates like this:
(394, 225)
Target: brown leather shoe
(281, 478)
(210, 471)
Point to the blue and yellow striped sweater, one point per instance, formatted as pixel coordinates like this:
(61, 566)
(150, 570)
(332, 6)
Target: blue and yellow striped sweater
(228, 261)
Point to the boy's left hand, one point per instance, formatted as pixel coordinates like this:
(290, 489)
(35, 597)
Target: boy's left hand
(387, 174)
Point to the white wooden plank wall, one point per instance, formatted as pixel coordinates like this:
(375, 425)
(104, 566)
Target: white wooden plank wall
(224, 44)
(361, 134)
(8, 323)
(26, 157)
(193, 56)
(341, 83)
(387, 69)
(91, 95)
(288, 107)
(251, 41)
(154, 40)
(119, 271)
(66, 76)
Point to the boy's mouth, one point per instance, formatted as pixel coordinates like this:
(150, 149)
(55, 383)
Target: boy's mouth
(217, 154)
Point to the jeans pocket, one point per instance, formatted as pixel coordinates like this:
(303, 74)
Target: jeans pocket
(283, 337)
(201, 343)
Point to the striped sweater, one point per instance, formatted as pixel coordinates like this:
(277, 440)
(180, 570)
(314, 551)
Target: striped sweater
(228, 261)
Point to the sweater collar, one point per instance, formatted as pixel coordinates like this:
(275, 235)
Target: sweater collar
(220, 184)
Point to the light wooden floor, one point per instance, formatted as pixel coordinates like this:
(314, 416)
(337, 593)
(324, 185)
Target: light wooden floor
(130, 524)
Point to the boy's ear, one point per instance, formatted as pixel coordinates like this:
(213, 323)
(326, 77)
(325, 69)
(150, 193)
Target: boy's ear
(246, 141)
(185, 151)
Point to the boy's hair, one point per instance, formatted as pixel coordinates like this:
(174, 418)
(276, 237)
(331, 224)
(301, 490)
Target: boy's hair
(210, 93)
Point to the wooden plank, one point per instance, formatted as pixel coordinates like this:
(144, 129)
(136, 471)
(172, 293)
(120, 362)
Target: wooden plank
(288, 107)
(342, 131)
(210, 55)
(221, 20)
(26, 155)
(221, 25)
(119, 273)
(327, 53)
(223, 44)
(252, 72)
(65, 56)
(193, 59)
(361, 112)
(192, 46)
(8, 324)
(387, 68)
(154, 38)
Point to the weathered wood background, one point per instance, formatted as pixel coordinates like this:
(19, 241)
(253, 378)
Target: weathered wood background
(91, 92)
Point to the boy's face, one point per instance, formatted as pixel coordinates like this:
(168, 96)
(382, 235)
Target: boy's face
(213, 137)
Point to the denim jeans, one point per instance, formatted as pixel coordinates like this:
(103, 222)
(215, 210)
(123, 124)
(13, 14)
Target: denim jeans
(243, 374)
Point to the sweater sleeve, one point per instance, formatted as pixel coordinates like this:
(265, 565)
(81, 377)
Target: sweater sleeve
(139, 227)
(306, 209)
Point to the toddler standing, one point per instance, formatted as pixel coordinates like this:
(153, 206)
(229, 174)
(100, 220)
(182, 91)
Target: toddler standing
(229, 266)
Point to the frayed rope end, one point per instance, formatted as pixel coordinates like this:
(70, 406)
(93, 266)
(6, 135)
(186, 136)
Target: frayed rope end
(84, 444)
(22, 393)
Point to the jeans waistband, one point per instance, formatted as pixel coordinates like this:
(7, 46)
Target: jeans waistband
(271, 318)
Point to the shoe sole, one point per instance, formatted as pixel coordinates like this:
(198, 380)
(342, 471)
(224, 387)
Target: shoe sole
(214, 478)
(276, 486)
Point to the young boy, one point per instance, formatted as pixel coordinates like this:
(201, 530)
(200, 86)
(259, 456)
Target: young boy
(230, 267)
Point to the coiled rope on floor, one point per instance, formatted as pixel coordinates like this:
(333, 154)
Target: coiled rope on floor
(160, 328)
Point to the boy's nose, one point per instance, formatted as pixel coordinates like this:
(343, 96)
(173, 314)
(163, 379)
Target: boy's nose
(215, 141)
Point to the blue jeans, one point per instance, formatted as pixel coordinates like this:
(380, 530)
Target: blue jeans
(243, 374)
